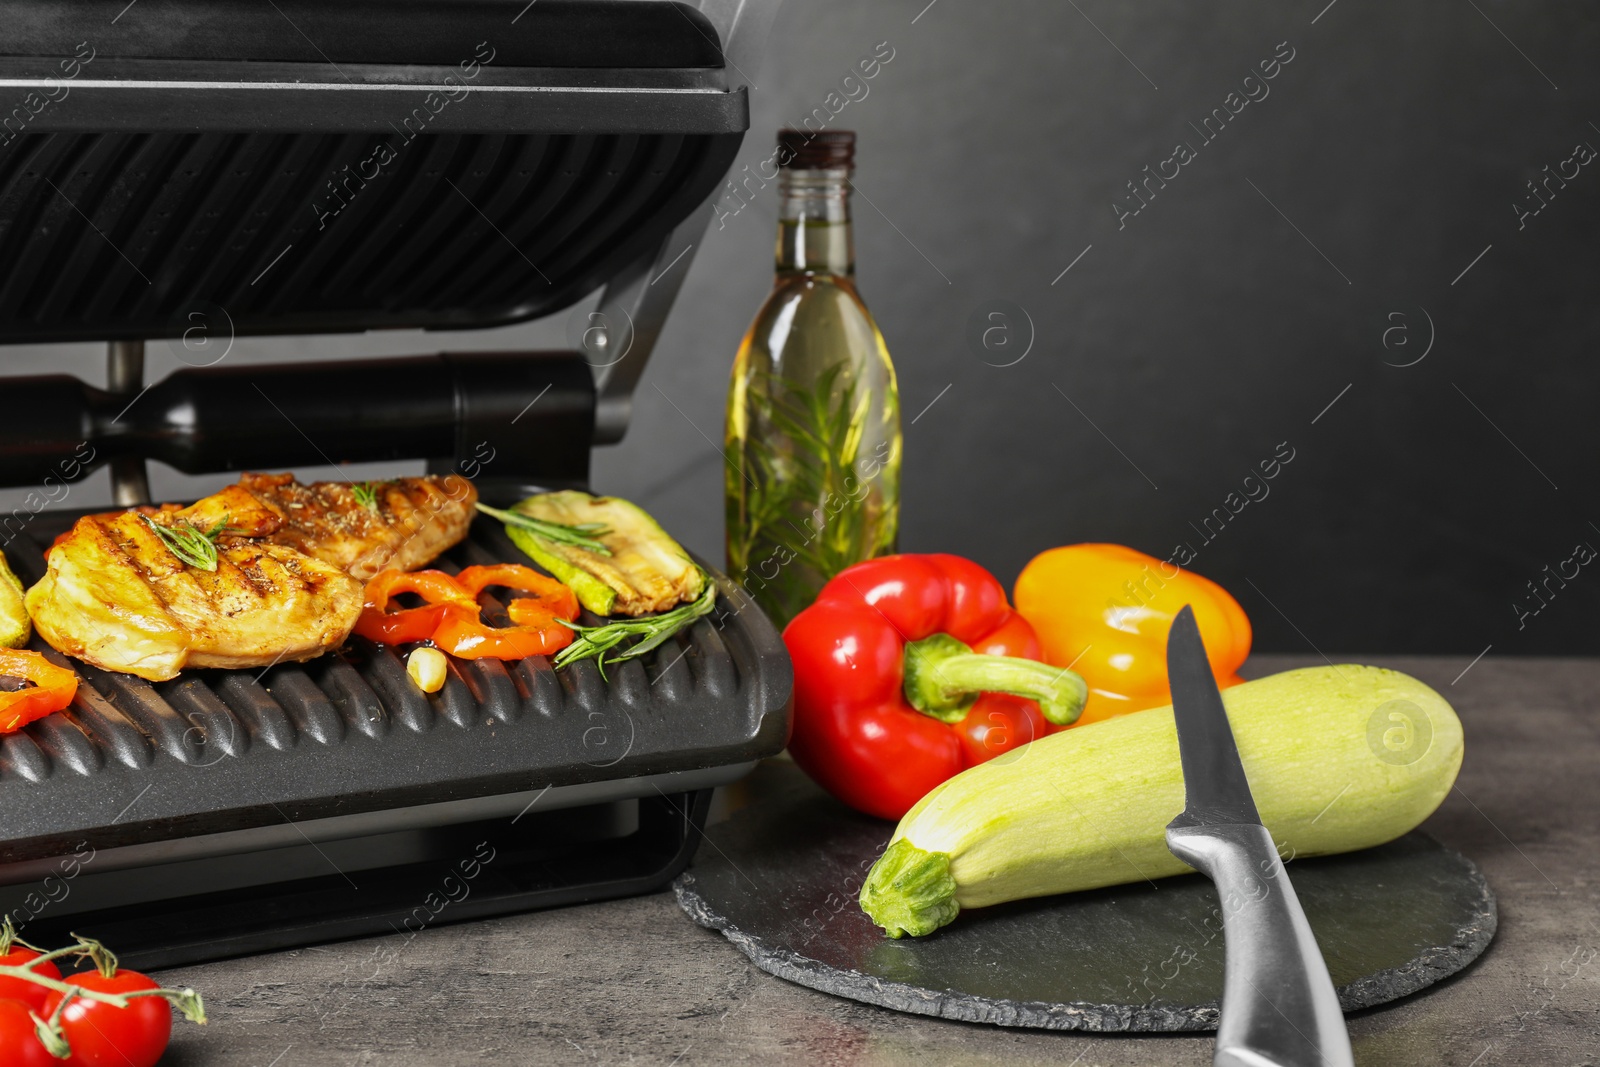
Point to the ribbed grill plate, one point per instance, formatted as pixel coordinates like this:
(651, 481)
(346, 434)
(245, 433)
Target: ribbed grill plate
(133, 762)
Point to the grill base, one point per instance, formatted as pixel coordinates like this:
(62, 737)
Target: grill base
(467, 871)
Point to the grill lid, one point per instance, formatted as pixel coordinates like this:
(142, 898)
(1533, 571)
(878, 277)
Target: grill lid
(550, 33)
(321, 167)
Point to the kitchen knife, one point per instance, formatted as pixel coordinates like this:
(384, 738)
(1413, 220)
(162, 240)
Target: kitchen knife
(1278, 1004)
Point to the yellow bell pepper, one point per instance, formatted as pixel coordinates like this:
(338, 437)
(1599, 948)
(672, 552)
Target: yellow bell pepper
(1104, 611)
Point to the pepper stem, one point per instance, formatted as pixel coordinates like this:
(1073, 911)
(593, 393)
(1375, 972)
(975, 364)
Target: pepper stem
(943, 678)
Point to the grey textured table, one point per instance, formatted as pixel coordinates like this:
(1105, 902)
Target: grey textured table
(636, 982)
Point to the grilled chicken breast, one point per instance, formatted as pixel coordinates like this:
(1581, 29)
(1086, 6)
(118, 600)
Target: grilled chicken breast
(410, 520)
(116, 596)
(291, 560)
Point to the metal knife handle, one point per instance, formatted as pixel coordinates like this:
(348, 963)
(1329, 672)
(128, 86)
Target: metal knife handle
(1279, 1008)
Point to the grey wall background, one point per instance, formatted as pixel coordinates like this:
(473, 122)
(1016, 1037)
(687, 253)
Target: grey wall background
(1245, 306)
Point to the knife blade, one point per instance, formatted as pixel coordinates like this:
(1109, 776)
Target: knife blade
(1216, 791)
(1279, 1008)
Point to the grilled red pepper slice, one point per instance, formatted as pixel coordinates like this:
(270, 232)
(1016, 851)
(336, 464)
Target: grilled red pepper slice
(909, 669)
(52, 689)
(444, 596)
(534, 630)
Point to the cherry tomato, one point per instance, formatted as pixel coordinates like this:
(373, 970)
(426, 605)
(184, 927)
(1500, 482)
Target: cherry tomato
(21, 989)
(19, 1044)
(999, 723)
(106, 1036)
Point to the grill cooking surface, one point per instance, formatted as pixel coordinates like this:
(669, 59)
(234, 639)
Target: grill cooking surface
(211, 751)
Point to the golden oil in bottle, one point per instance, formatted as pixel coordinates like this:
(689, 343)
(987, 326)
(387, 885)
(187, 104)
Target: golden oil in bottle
(813, 426)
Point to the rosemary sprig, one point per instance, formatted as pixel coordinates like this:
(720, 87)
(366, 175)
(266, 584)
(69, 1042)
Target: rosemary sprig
(797, 493)
(580, 536)
(596, 642)
(366, 494)
(194, 546)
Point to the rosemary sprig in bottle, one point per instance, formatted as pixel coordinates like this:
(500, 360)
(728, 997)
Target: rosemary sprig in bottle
(597, 642)
(798, 492)
(583, 535)
(194, 546)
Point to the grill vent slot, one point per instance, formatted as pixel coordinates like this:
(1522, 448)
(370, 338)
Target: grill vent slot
(126, 234)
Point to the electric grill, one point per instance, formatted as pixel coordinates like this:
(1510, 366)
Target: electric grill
(311, 167)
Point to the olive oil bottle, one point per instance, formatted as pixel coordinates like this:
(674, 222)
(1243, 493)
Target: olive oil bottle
(813, 428)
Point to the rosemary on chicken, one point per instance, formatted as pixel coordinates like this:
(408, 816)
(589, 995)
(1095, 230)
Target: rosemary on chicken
(366, 493)
(597, 642)
(194, 546)
(584, 535)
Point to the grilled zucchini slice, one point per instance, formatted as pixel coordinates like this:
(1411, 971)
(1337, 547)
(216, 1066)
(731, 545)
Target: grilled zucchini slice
(646, 572)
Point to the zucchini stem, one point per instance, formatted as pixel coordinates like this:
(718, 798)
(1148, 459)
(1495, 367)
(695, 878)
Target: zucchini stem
(943, 678)
(910, 891)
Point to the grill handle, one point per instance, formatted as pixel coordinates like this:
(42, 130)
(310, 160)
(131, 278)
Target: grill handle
(527, 415)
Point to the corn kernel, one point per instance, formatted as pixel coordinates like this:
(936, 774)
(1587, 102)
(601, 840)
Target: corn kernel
(426, 666)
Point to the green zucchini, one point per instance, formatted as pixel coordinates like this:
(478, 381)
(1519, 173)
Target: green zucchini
(593, 594)
(1339, 758)
(646, 571)
(15, 627)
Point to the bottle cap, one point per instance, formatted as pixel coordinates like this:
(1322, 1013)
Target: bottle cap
(805, 150)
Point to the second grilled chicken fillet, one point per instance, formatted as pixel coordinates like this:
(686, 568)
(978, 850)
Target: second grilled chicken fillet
(116, 596)
(408, 522)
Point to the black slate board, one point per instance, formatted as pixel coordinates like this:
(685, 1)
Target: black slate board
(780, 878)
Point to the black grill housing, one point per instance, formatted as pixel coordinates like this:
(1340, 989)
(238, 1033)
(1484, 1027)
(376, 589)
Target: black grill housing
(223, 161)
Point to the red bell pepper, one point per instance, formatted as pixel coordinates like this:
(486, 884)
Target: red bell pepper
(444, 595)
(53, 688)
(909, 669)
(534, 631)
